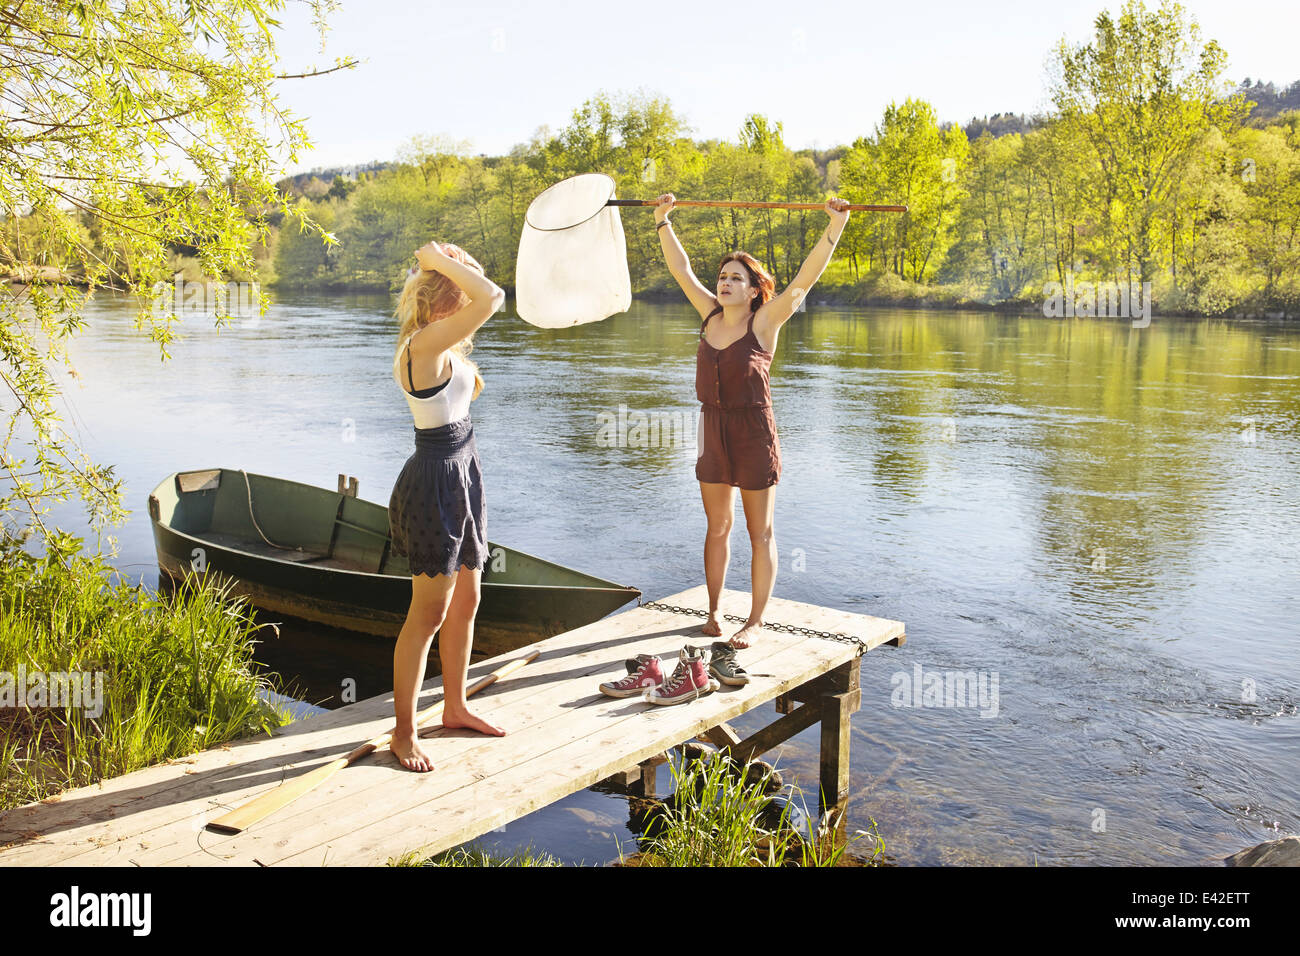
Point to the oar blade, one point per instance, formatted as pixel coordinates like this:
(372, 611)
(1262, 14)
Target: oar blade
(259, 808)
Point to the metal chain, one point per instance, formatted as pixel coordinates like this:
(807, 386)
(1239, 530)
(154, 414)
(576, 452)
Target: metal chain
(857, 642)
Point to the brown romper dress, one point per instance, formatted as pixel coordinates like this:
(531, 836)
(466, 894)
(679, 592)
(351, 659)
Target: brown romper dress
(738, 441)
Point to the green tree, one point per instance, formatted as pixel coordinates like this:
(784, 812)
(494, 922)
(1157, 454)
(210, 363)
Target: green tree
(1000, 207)
(1142, 93)
(1067, 197)
(438, 158)
(478, 187)
(300, 259)
(911, 160)
(128, 128)
(1267, 165)
(386, 219)
(340, 187)
(625, 136)
(1208, 207)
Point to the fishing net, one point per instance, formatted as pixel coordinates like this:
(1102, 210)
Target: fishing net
(572, 265)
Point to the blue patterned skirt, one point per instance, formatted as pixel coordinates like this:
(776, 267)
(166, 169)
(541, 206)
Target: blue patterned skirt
(436, 510)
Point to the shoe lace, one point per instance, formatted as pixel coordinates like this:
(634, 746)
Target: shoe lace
(681, 674)
(674, 680)
(635, 677)
(726, 661)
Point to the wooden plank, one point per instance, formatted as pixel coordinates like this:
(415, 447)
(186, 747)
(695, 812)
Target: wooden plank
(180, 785)
(624, 779)
(560, 728)
(167, 832)
(841, 680)
(776, 733)
(490, 787)
(647, 775)
(721, 736)
(375, 773)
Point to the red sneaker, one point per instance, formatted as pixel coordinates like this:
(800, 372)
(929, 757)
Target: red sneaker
(646, 677)
(690, 680)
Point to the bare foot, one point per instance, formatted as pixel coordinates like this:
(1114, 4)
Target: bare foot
(711, 627)
(463, 718)
(409, 752)
(746, 636)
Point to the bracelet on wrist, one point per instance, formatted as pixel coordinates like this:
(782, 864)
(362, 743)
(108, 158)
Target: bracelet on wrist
(662, 223)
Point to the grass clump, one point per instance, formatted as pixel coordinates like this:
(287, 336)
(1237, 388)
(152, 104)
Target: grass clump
(475, 856)
(723, 814)
(167, 675)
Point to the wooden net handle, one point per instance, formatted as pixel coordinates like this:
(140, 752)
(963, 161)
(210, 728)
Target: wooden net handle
(853, 207)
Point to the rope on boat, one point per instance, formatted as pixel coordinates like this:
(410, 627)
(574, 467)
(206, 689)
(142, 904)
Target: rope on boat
(249, 489)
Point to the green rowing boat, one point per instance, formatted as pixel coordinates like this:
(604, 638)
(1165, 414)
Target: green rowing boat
(325, 556)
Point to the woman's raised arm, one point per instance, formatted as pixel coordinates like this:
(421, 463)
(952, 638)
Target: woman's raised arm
(678, 264)
(485, 299)
(775, 312)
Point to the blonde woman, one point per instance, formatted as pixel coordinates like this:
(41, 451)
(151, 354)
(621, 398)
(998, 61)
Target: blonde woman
(436, 511)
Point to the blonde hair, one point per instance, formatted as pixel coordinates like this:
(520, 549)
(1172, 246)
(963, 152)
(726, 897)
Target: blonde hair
(429, 296)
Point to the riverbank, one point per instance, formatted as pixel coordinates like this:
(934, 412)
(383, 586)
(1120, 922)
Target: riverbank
(98, 680)
(877, 292)
(889, 291)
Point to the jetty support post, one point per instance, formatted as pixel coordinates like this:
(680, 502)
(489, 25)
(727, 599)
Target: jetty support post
(639, 781)
(841, 698)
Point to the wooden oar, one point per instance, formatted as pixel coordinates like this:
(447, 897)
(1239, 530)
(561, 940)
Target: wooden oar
(241, 818)
(726, 203)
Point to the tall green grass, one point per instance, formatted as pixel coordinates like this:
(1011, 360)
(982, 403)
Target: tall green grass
(717, 818)
(475, 856)
(178, 672)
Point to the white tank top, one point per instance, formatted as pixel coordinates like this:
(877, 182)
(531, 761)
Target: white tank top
(450, 404)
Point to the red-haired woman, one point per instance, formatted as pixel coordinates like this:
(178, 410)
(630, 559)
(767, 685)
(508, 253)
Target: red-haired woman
(436, 511)
(738, 442)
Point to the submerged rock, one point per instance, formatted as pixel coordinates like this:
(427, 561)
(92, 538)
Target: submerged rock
(1284, 852)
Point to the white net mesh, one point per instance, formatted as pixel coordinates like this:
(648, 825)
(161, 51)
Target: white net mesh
(572, 265)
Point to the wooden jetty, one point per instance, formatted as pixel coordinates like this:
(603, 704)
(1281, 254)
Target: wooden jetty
(564, 735)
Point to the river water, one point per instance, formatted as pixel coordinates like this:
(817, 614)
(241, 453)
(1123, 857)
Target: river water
(1100, 522)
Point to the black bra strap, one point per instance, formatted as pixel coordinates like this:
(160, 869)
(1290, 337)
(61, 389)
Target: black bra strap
(409, 377)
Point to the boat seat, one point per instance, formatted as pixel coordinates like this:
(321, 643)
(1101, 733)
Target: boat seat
(261, 548)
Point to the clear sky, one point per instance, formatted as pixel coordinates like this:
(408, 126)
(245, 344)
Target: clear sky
(493, 71)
